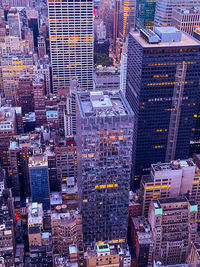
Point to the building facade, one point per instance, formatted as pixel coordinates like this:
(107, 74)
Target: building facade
(164, 9)
(71, 40)
(186, 20)
(173, 222)
(161, 71)
(104, 140)
(39, 180)
(145, 12)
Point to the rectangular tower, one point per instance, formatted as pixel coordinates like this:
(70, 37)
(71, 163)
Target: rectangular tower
(173, 223)
(104, 148)
(145, 12)
(71, 40)
(162, 89)
(39, 177)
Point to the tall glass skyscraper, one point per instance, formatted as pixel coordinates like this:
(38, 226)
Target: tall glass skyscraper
(163, 89)
(145, 11)
(71, 40)
(39, 180)
(104, 149)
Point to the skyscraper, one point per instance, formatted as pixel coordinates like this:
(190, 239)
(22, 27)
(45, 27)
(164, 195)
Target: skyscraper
(145, 12)
(39, 179)
(104, 147)
(71, 40)
(162, 89)
(186, 20)
(164, 9)
(127, 17)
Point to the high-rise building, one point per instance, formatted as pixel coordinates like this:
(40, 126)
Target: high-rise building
(145, 12)
(25, 94)
(173, 223)
(66, 230)
(66, 162)
(186, 20)
(39, 100)
(39, 180)
(41, 46)
(71, 40)
(169, 180)
(127, 18)
(104, 148)
(161, 70)
(116, 21)
(123, 67)
(12, 68)
(8, 127)
(164, 9)
(21, 148)
(14, 23)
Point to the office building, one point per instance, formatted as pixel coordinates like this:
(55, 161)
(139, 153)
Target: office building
(159, 92)
(145, 12)
(41, 46)
(104, 148)
(107, 78)
(12, 45)
(186, 20)
(21, 148)
(107, 255)
(39, 101)
(43, 69)
(167, 180)
(14, 23)
(173, 223)
(66, 163)
(71, 40)
(127, 18)
(25, 94)
(39, 180)
(142, 241)
(8, 127)
(164, 9)
(66, 230)
(12, 68)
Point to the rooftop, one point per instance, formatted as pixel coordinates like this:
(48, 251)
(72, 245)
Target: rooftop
(7, 114)
(193, 10)
(103, 104)
(38, 160)
(35, 213)
(172, 200)
(186, 40)
(56, 198)
(173, 165)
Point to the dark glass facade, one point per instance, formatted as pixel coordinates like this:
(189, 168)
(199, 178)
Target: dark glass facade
(145, 12)
(163, 91)
(40, 186)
